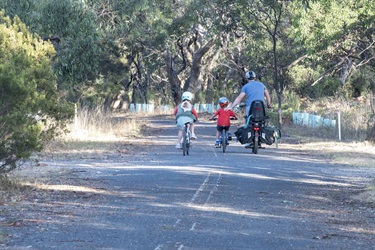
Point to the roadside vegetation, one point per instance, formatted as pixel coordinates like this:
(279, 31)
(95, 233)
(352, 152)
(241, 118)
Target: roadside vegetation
(100, 56)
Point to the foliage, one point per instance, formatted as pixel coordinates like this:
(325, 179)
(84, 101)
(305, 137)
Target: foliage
(151, 50)
(30, 108)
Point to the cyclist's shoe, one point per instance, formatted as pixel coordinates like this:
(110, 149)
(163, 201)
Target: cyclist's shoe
(229, 136)
(217, 144)
(248, 145)
(193, 137)
(178, 146)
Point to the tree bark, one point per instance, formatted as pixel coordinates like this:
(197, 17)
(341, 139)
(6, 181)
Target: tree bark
(174, 80)
(193, 83)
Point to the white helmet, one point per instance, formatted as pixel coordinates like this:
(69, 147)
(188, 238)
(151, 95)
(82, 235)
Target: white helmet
(250, 75)
(187, 96)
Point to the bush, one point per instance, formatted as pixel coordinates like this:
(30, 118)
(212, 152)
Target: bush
(31, 111)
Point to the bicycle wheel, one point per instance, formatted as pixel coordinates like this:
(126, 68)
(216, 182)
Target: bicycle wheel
(256, 143)
(188, 142)
(224, 139)
(184, 142)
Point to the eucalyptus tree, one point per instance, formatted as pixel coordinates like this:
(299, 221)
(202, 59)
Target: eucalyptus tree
(341, 31)
(269, 50)
(339, 37)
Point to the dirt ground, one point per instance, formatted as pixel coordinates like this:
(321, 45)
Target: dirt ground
(40, 178)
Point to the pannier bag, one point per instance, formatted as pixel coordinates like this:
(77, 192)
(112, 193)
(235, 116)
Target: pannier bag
(268, 135)
(244, 135)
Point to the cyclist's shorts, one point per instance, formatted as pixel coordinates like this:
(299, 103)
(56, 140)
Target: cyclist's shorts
(182, 120)
(220, 128)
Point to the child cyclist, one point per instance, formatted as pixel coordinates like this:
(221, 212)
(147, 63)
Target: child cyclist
(223, 121)
(185, 112)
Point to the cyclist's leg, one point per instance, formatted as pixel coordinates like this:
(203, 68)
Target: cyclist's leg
(217, 141)
(229, 133)
(193, 136)
(180, 126)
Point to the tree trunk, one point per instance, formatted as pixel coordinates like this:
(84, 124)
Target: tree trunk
(277, 84)
(174, 80)
(371, 135)
(193, 83)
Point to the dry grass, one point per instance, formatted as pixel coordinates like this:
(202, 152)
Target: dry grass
(355, 115)
(355, 154)
(93, 132)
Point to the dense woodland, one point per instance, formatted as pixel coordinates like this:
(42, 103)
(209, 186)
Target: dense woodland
(56, 53)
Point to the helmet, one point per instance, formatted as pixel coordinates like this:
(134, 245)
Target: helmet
(187, 96)
(250, 75)
(223, 102)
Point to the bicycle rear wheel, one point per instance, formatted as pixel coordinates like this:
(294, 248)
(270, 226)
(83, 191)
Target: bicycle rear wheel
(224, 140)
(256, 143)
(187, 142)
(184, 143)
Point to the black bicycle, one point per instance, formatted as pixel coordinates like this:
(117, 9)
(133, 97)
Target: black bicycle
(186, 139)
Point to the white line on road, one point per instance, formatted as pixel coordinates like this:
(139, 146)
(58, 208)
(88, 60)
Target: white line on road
(200, 189)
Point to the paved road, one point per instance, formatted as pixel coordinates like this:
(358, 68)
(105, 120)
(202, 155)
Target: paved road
(158, 199)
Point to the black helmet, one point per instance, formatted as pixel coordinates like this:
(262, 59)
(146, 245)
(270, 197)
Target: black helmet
(250, 75)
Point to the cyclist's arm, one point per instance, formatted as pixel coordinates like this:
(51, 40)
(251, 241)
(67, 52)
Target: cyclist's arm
(232, 114)
(175, 111)
(194, 112)
(268, 97)
(214, 115)
(237, 101)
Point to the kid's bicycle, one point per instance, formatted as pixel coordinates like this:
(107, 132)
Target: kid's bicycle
(224, 138)
(186, 139)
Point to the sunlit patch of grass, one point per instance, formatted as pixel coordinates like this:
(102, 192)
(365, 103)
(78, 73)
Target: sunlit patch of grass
(96, 128)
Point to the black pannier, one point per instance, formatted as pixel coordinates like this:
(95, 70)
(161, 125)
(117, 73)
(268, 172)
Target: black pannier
(268, 135)
(244, 135)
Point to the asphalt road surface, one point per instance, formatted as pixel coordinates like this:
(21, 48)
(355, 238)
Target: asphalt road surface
(158, 199)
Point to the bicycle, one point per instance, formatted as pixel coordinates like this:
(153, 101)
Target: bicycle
(223, 143)
(186, 139)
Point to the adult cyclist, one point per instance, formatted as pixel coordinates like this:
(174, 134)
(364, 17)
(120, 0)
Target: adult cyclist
(254, 90)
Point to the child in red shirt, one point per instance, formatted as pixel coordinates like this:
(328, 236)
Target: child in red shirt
(223, 121)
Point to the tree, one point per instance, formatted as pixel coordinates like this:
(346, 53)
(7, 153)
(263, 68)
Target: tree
(31, 111)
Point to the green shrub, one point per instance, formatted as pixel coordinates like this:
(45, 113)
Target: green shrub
(31, 111)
